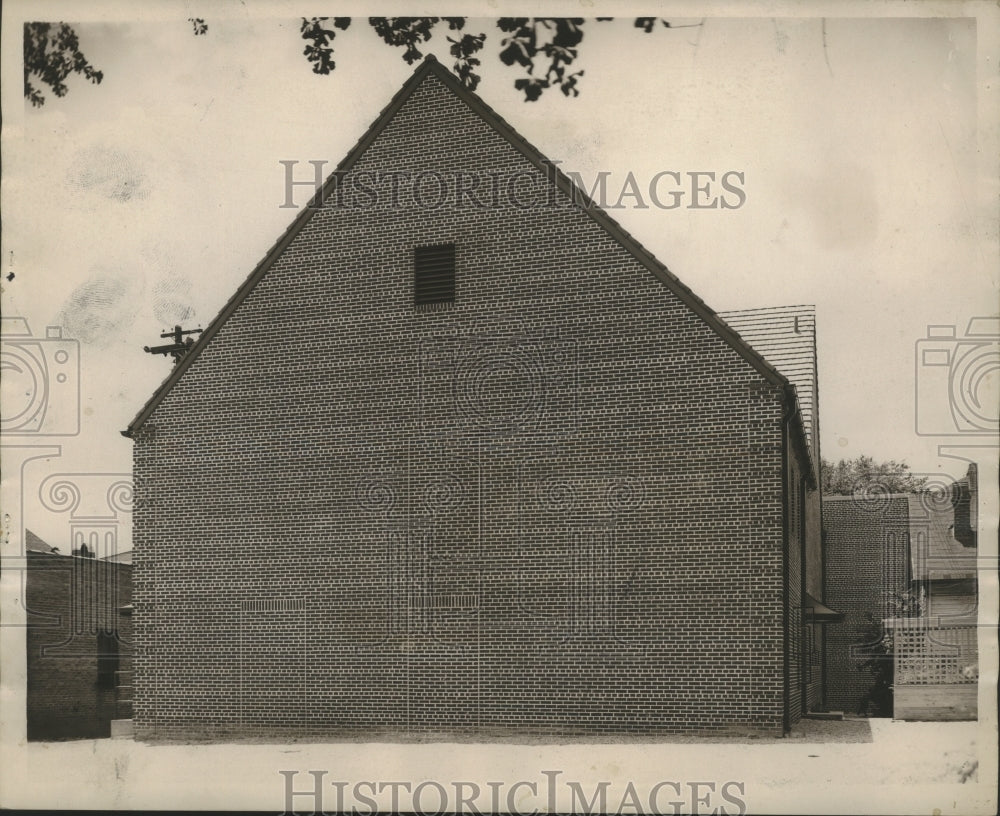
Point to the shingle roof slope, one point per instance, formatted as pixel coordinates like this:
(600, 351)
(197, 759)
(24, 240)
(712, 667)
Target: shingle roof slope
(935, 553)
(786, 337)
(33, 543)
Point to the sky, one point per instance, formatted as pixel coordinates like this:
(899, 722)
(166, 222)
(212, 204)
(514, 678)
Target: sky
(867, 148)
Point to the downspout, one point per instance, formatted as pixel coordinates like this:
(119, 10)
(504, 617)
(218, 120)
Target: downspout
(791, 410)
(804, 657)
(818, 464)
(824, 702)
(786, 417)
(822, 559)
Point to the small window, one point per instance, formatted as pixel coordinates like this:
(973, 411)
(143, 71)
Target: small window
(434, 274)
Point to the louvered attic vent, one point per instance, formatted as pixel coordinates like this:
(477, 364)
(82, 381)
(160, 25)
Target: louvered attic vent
(434, 275)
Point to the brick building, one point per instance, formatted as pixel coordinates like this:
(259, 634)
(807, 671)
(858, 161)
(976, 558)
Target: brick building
(470, 460)
(881, 546)
(786, 337)
(867, 551)
(78, 643)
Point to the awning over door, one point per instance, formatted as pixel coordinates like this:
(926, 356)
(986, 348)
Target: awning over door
(816, 612)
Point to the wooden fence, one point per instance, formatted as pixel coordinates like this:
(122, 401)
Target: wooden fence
(936, 674)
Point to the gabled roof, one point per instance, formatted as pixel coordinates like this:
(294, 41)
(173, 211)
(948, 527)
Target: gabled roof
(33, 543)
(428, 67)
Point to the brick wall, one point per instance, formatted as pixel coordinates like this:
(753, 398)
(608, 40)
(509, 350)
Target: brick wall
(70, 601)
(555, 507)
(866, 558)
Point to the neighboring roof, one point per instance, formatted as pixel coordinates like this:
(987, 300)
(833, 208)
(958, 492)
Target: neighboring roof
(33, 543)
(929, 519)
(430, 66)
(786, 337)
(935, 553)
(120, 558)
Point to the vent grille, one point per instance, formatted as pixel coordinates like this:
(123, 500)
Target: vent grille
(434, 275)
(273, 605)
(448, 601)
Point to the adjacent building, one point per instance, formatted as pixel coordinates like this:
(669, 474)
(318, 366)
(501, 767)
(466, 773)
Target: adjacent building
(78, 642)
(913, 553)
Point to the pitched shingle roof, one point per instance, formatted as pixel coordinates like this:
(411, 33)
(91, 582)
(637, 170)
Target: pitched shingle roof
(935, 553)
(33, 543)
(786, 337)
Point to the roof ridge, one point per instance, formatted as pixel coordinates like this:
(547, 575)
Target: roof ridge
(297, 224)
(430, 65)
(770, 308)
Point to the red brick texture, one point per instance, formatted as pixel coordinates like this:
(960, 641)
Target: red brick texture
(70, 601)
(555, 507)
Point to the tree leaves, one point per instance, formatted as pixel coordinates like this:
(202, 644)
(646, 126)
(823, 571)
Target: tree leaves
(405, 32)
(51, 54)
(544, 48)
(849, 476)
(319, 52)
(410, 32)
(465, 63)
(556, 39)
(648, 23)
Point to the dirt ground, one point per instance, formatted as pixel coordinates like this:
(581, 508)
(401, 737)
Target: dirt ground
(850, 766)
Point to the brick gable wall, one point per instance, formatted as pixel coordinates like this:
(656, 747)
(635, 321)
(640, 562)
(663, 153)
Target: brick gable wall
(553, 508)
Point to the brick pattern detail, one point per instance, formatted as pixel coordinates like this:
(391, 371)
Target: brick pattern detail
(69, 601)
(866, 545)
(553, 508)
